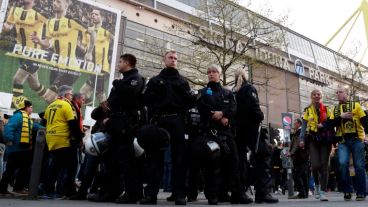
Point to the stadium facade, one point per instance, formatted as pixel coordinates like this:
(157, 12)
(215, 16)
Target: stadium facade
(299, 67)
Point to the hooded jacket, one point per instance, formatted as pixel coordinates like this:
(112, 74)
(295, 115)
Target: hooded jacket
(13, 132)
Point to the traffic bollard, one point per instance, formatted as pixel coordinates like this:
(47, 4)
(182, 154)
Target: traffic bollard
(37, 164)
(2, 152)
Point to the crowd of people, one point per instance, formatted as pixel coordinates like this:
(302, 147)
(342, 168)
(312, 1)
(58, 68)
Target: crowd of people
(209, 135)
(328, 149)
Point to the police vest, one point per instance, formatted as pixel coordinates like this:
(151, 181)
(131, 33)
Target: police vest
(311, 116)
(349, 128)
(27, 125)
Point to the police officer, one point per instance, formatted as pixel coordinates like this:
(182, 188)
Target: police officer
(248, 119)
(217, 106)
(122, 107)
(195, 180)
(167, 97)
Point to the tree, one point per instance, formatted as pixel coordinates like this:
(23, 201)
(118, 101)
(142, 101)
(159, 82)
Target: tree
(353, 73)
(224, 33)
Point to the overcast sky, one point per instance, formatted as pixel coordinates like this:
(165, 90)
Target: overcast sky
(317, 19)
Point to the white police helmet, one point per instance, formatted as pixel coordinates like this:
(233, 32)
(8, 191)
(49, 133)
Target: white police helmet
(97, 144)
(138, 150)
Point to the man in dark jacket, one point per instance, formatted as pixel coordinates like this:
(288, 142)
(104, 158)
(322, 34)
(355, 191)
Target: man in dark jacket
(248, 119)
(90, 164)
(168, 96)
(122, 107)
(300, 163)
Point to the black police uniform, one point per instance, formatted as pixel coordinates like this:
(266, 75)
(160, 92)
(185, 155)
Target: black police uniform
(216, 98)
(124, 102)
(167, 97)
(195, 180)
(248, 118)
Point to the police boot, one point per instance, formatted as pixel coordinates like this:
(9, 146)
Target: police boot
(266, 198)
(212, 200)
(78, 196)
(126, 199)
(180, 200)
(102, 198)
(241, 199)
(192, 196)
(223, 197)
(149, 200)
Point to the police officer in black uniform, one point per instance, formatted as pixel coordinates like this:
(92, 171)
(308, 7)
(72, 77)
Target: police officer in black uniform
(248, 119)
(122, 107)
(195, 180)
(217, 106)
(167, 97)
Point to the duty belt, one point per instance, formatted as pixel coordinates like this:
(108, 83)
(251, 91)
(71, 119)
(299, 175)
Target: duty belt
(122, 114)
(168, 115)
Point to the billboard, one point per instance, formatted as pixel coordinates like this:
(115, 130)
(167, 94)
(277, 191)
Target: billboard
(48, 43)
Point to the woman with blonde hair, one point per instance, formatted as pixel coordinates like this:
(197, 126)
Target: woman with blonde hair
(318, 138)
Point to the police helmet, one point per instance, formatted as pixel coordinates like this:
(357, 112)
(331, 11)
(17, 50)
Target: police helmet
(138, 150)
(151, 137)
(97, 144)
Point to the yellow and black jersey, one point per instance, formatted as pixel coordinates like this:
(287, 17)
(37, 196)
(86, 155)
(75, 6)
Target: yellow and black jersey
(64, 34)
(311, 115)
(349, 128)
(57, 115)
(101, 48)
(26, 22)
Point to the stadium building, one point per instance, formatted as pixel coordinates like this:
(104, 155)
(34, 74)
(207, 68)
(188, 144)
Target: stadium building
(284, 76)
(301, 66)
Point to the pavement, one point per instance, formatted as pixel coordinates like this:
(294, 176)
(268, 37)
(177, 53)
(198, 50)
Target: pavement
(335, 200)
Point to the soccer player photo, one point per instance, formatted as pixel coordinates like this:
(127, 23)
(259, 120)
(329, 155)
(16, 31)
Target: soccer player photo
(45, 44)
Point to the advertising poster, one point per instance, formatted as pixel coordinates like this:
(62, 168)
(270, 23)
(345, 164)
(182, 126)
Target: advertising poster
(45, 44)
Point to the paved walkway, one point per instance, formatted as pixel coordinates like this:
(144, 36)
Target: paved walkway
(335, 200)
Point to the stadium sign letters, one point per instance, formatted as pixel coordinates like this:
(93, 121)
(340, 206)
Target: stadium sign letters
(319, 76)
(272, 59)
(217, 38)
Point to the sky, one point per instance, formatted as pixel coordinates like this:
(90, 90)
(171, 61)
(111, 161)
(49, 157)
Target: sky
(318, 19)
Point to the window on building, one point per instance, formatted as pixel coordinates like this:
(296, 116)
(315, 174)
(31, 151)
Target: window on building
(173, 11)
(149, 44)
(299, 47)
(198, 4)
(150, 3)
(325, 58)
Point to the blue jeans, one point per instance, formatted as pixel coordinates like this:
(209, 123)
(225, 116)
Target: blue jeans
(356, 148)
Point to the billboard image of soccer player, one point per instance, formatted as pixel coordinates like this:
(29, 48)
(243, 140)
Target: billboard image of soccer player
(48, 43)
